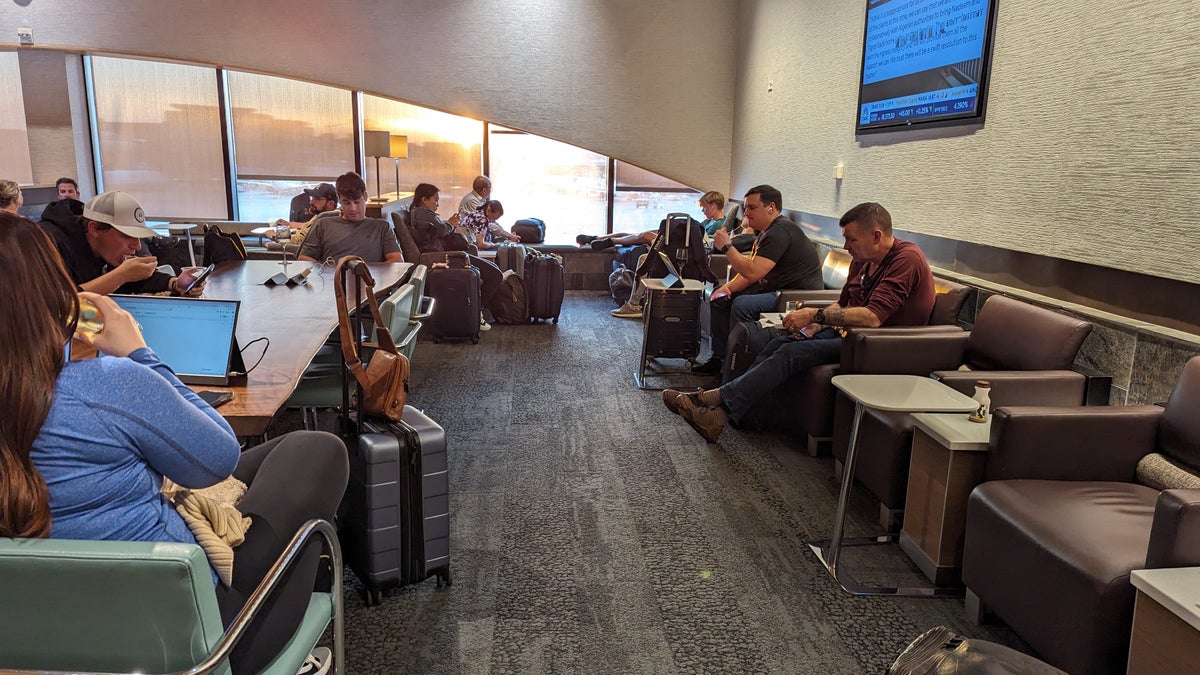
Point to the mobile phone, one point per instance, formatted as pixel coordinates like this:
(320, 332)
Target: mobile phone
(215, 398)
(199, 278)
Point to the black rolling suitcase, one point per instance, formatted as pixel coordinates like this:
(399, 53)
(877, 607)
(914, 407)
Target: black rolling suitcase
(544, 286)
(456, 309)
(394, 521)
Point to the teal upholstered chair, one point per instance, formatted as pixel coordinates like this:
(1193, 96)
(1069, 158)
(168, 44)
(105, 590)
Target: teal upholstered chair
(402, 312)
(125, 607)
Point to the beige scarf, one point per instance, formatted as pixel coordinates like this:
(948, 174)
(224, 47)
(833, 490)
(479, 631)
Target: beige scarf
(212, 516)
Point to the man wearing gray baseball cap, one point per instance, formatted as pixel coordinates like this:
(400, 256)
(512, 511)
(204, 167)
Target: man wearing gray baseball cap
(99, 246)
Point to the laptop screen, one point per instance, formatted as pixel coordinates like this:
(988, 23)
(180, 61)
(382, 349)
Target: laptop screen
(192, 335)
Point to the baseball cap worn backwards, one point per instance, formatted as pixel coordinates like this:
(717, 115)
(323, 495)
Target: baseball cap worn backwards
(119, 210)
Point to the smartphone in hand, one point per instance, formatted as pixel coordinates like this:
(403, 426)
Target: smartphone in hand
(196, 281)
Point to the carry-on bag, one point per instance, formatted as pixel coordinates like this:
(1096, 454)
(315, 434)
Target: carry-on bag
(456, 312)
(510, 304)
(530, 230)
(511, 256)
(544, 285)
(394, 522)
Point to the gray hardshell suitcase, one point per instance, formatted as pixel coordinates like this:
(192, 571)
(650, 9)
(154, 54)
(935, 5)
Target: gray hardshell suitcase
(395, 529)
(511, 256)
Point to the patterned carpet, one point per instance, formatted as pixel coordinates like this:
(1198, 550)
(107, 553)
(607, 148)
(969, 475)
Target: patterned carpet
(593, 531)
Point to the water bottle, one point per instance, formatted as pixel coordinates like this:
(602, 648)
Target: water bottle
(983, 396)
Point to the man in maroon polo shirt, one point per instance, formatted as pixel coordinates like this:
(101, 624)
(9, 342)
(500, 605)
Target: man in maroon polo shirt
(889, 284)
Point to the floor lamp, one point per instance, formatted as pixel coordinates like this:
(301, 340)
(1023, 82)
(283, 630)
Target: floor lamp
(399, 151)
(377, 144)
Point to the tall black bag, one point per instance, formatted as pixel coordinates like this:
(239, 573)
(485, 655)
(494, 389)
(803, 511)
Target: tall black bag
(456, 310)
(394, 521)
(221, 246)
(681, 238)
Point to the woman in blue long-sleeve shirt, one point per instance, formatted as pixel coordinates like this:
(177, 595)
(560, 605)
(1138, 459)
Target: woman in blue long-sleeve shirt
(85, 445)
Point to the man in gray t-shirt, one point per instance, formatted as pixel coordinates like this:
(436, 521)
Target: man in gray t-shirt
(351, 233)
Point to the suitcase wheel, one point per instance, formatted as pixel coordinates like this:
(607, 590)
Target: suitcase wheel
(475, 340)
(372, 597)
(443, 577)
(556, 321)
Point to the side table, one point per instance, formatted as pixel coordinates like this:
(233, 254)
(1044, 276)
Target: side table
(1166, 622)
(898, 393)
(949, 453)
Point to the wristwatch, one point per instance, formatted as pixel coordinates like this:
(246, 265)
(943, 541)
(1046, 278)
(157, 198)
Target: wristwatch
(819, 317)
(723, 249)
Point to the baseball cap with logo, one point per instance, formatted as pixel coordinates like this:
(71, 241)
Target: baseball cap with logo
(121, 211)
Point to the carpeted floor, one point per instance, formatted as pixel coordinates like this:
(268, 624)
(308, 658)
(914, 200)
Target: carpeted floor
(593, 531)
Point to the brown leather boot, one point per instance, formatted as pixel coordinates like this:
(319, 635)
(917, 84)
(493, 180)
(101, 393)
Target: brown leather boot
(709, 422)
(671, 398)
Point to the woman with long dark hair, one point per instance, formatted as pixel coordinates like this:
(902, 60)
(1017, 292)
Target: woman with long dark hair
(86, 444)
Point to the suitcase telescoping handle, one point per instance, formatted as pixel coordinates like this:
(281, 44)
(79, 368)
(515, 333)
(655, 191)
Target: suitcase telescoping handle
(359, 270)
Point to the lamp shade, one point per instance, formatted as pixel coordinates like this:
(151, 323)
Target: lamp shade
(376, 143)
(399, 147)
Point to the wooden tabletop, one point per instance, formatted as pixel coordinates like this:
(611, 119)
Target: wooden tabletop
(296, 319)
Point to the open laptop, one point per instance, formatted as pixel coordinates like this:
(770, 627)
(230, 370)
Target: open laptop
(194, 336)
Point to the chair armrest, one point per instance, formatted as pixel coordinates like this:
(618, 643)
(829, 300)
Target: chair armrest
(414, 328)
(1020, 387)
(1076, 443)
(425, 309)
(901, 351)
(1175, 535)
(809, 298)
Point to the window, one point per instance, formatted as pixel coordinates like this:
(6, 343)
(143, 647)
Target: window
(288, 135)
(15, 164)
(642, 199)
(537, 177)
(445, 150)
(159, 132)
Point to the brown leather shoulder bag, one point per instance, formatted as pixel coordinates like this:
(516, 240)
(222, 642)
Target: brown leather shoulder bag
(384, 381)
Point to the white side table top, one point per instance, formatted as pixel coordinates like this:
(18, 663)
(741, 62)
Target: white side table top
(688, 285)
(904, 393)
(954, 431)
(1175, 588)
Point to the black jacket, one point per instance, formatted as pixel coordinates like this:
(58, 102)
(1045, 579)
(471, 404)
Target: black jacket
(63, 222)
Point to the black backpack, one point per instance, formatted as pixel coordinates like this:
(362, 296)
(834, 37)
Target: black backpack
(530, 230)
(509, 304)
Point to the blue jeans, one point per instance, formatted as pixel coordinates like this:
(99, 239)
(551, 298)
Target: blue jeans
(783, 358)
(725, 315)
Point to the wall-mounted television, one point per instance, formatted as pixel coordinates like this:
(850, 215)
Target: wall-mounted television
(925, 63)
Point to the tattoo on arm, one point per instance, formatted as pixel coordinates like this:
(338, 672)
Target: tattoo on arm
(835, 316)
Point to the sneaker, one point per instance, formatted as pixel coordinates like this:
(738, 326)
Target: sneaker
(584, 239)
(319, 662)
(483, 325)
(601, 244)
(709, 367)
(671, 398)
(708, 422)
(628, 311)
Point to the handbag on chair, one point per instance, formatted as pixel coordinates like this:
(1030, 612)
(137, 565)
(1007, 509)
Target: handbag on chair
(383, 383)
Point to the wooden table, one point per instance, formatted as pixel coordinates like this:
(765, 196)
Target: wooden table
(1166, 621)
(949, 453)
(296, 319)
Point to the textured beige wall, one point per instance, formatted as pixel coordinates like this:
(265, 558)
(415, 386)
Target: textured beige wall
(648, 82)
(1090, 150)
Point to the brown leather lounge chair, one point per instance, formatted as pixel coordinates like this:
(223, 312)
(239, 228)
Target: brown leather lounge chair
(1073, 500)
(1025, 351)
(803, 406)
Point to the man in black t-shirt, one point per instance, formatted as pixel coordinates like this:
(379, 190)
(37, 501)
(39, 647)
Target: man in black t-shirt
(782, 258)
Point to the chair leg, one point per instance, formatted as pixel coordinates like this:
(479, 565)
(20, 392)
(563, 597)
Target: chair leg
(890, 519)
(976, 611)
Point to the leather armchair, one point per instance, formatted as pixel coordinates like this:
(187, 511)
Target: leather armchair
(1025, 351)
(805, 405)
(1061, 520)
